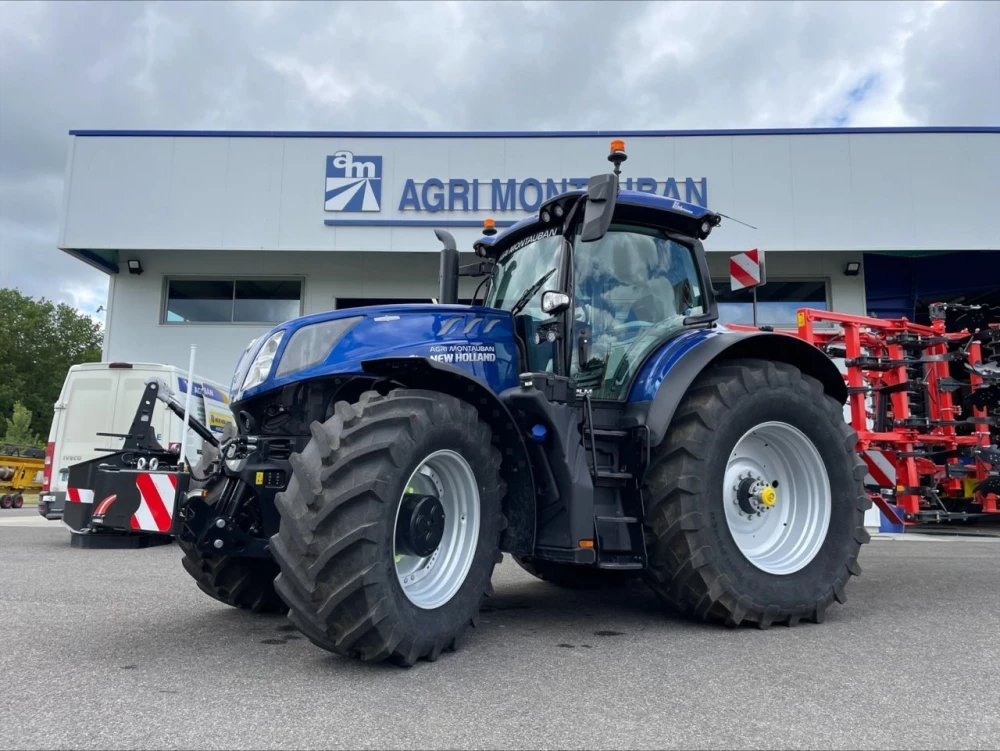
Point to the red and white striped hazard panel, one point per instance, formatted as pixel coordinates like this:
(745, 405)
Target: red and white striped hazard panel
(156, 502)
(745, 269)
(79, 495)
(881, 470)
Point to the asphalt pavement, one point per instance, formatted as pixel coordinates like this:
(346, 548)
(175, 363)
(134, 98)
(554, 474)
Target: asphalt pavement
(119, 649)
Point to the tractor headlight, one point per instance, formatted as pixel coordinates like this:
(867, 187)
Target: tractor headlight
(311, 344)
(241, 369)
(261, 365)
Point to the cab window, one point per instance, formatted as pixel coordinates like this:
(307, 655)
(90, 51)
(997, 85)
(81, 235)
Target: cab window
(633, 288)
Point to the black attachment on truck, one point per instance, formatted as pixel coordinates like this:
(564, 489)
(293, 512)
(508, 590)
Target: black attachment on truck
(123, 492)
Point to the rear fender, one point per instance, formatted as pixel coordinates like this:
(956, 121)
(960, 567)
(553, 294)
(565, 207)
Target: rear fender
(519, 502)
(673, 375)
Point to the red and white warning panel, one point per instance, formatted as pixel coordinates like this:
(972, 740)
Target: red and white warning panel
(79, 495)
(881, 469)
(156, 502)
(746, 269)
(123, 500)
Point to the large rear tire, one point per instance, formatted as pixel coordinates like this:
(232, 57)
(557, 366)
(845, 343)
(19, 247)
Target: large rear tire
(244, 583)
(6, 501)
(18, 501)
(720, 546)
(571, 576)
(350, 586)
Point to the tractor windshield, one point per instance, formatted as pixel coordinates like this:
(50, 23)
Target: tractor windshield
(633, 289)
(520, 276)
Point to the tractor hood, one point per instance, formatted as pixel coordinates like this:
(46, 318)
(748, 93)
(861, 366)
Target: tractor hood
(478, 340)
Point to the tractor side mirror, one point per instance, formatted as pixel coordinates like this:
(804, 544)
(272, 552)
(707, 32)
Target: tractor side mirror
(554, 303)
(602, 193)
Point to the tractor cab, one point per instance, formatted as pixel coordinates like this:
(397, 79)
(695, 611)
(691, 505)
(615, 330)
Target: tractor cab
(599, 278)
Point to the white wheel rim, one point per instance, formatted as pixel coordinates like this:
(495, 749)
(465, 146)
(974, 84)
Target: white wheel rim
(432, 581)
(783, 538)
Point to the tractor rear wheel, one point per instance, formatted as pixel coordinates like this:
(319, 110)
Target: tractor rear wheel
(572, 576)
(244, 583)
(390, 527)
(18, 501)
(756, 503)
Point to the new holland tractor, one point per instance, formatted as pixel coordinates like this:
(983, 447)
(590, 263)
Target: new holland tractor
(588, 416)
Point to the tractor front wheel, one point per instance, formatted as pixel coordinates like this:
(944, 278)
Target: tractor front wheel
(244, 583)
(390, 526)
(756, 499)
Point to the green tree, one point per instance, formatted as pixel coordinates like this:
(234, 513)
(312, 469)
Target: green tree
(39, 341)
(19, 431)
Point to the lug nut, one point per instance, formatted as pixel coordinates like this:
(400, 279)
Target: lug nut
(218, 544)
(220, 523)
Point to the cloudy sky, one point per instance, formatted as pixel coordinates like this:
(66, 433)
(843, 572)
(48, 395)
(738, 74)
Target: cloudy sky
(455, 66)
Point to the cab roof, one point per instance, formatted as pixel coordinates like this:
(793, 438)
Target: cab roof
(686, 217)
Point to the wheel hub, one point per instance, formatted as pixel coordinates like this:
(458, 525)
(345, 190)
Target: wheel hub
(778, 498)
(754, 495)
(420, 525)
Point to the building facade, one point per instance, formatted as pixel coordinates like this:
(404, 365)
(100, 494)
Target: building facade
(211, 238)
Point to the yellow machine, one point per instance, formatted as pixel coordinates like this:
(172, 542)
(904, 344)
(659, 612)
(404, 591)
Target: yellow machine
(21, 471)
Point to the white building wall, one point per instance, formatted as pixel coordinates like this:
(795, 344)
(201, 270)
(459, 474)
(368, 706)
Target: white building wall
(803, 192)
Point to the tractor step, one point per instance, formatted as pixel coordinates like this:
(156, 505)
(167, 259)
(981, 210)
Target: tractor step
(602, 475)
(623, 566)
(620, 542)
(606, 433)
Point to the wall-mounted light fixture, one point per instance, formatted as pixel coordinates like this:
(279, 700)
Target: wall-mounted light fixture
(134, 267)
(853, 268)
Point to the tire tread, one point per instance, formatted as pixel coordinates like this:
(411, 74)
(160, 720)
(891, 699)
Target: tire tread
(682, 571)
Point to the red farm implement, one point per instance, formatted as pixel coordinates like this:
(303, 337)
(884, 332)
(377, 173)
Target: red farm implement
(925, 401)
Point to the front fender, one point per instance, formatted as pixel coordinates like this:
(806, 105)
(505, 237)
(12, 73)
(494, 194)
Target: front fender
(666, 377)
(519, 502)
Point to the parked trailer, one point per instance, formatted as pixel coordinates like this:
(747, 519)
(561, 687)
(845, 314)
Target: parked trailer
(21, 471)
(925, 402)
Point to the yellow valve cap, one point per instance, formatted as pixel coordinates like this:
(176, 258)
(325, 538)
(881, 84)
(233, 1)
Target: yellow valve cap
(768, 497)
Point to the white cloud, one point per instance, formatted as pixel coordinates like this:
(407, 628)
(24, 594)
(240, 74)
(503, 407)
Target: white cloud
(458, 65)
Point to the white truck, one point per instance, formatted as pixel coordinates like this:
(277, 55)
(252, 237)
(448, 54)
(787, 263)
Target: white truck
(102, 398)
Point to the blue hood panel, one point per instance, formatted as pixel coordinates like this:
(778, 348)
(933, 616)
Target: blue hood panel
(478, 340)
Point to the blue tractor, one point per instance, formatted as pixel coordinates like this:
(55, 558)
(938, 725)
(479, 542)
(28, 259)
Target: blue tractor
(587, 415)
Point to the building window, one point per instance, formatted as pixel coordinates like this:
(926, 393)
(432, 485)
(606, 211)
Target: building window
(777, 301)
(233, 300)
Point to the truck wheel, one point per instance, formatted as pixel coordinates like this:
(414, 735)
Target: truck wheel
(572, 576)
(6, 501)
(245, 583)
(756, 499)
(390, 527)
(18, 501)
